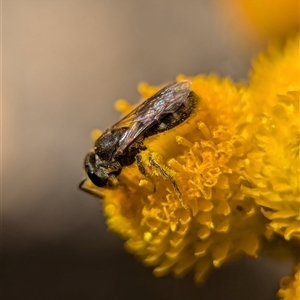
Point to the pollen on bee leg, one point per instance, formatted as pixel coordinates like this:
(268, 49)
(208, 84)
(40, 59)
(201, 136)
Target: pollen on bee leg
(95, 134)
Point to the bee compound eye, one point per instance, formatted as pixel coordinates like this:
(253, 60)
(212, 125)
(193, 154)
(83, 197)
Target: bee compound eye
(97, 180)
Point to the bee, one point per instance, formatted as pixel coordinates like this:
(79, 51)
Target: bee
(121, 145)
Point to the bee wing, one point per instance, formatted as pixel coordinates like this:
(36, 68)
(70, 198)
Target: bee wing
(143, 117)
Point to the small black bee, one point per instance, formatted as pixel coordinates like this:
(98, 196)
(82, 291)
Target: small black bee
(120, 145)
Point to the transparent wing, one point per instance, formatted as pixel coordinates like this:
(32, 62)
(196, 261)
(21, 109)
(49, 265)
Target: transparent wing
(143, 117)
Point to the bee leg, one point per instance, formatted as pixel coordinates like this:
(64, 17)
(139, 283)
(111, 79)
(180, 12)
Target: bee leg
(166, 173)
(142, 169)
(89, 190)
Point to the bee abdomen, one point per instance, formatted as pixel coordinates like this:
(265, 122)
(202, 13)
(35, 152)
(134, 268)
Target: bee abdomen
(172, 120)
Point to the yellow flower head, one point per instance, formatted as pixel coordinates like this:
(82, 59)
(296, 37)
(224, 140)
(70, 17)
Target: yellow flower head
(273, 166)
(237, 153)
(204, 156)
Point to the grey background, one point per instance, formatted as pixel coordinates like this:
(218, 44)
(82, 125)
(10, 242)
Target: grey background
(64, 63)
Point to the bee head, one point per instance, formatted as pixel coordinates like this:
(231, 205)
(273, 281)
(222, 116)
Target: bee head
(98, 171)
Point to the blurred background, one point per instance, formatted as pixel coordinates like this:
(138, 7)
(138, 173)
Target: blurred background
(64, 64)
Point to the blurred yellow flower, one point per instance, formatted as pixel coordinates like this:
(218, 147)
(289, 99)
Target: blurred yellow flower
(236, 162)
(271, 20)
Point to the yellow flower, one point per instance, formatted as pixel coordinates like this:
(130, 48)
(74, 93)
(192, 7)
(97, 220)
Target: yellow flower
(290, 286)
(269, 19)
(273, 167)
(237, 153)
(206, 156)
(273, 19)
